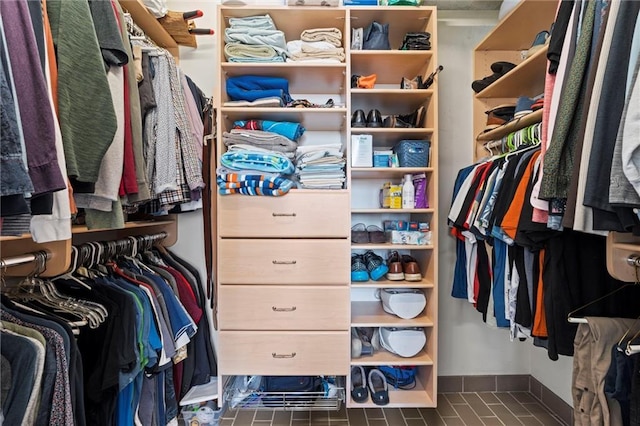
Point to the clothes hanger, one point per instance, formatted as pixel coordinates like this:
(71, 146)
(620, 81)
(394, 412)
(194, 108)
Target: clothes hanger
(580, 320)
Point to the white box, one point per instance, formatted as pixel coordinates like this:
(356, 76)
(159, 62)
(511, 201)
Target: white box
(361, 151)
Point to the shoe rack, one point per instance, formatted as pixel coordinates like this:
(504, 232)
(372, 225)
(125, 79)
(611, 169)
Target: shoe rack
(512, 36)
(390, 66)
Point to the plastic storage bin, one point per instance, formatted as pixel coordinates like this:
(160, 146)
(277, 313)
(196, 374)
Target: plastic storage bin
(207, 414)
(413, 153)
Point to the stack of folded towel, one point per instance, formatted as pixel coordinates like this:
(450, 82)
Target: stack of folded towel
(259, 138)
(317, 44)
(254, 39)
(257, 91)
(254, 171)
(320, 166)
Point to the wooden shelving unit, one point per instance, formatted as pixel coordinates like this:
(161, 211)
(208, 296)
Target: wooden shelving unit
(511, 37)
(390, 66)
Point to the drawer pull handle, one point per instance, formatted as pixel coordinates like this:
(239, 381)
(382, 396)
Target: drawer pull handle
(284, 262)
(291, 309)
(283, 214)
(291, 355)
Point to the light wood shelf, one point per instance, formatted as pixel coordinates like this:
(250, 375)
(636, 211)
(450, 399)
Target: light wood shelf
(371, 314)
(424, 283)
(510, 127)
(383, 357)
(396, 131)
(150, 25)
(388, 246)
(379, 211)
(387, 172)
(417, 397)
(523, 80)
(620, 247)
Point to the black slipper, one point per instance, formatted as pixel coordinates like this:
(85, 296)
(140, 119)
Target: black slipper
(379, 387)
(502, 67)
(359, 391)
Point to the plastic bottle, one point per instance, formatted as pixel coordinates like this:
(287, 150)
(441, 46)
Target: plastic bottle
(408, 192)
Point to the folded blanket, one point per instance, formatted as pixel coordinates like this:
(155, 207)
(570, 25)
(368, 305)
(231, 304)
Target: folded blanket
(239, 52)
(267, 140)
(261, 160)
(310, 52)
(287, 129)
(295, 46)
(256, 36)
(252, 184)
(332, 35)
(253, 87)
(258, 21)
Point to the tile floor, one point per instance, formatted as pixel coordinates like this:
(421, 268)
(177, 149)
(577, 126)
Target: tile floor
(454, 409)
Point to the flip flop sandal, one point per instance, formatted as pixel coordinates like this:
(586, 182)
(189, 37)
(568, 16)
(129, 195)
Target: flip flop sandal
(378, 387)
(359, 234)
(359, 391)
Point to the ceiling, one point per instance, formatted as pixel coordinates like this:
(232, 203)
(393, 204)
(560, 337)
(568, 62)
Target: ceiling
(464, 4)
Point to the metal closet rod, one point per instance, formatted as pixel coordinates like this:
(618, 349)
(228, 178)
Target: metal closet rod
(8, 262)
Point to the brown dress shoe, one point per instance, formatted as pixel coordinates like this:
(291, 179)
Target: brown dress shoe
(395, 267)
(411, 268)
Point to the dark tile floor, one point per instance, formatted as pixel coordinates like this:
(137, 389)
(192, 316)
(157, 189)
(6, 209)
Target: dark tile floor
(454, 409)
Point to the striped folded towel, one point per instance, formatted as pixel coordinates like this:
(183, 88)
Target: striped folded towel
(230, 182)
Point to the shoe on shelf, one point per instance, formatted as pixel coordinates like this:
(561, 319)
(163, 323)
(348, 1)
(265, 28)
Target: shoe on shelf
(359, 346)
(414, 119)
(502, 67)
(359, 389)
(378, 387)
(370, 336)
(375, 265)
(374, 118)
(358, 119)
(359, 234)
(540, 40)
(412, 84)
(376, 234)
(359, 268)
(499, 69)
(395, 267)
(410, 268)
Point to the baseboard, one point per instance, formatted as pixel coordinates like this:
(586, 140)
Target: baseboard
(509, 383)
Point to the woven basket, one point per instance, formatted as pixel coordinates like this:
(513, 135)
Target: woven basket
(413, 153)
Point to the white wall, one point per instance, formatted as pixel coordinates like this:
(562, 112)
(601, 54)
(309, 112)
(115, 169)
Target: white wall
(467, 346)
(200, 65)
(556, 375)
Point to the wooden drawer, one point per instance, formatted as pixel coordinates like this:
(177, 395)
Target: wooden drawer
(297, 214)
(250, 261)
(283, 308)
(284, 353)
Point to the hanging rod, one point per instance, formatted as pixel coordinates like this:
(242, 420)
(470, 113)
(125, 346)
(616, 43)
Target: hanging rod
(8, 262)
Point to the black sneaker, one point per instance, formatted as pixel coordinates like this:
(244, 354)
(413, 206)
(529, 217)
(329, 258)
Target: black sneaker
(375, 265)
(358, 268)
